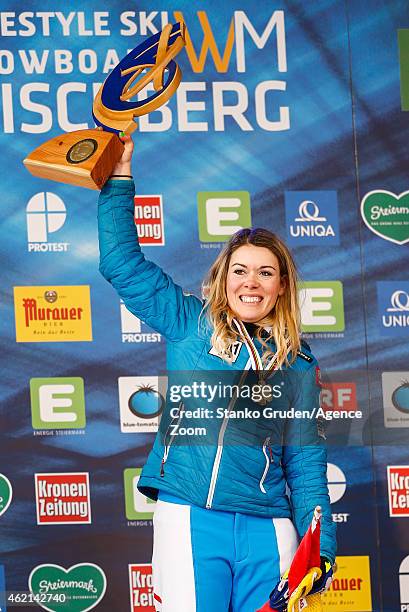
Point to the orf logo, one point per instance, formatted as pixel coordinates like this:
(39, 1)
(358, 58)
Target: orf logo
(312, 217)
(46, 214)
(404, 584)
(393, 307)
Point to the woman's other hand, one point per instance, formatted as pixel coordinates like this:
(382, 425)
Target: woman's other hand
(123, 167)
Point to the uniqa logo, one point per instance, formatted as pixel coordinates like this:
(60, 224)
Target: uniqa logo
(309, 215)
(399, 304)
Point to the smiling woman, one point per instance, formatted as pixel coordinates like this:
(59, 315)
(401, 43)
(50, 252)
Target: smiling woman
(224, 527)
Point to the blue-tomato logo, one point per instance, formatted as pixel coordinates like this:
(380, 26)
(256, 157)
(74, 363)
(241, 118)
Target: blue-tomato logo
(400, 397)
(146, 402)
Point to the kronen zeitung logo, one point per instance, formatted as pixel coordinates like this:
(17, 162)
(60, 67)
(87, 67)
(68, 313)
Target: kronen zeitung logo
(53, 314)
(149, 219)
(235, 44)
(398, 489)
(63, 498)
(387, 215)
(141, 587)
(77, 589)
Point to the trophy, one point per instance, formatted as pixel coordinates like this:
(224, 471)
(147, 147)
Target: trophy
(87, 157)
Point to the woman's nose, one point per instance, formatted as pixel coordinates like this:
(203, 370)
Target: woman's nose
(251, 280)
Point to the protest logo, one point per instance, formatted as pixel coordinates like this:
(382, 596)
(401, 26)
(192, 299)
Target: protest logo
(149, 219)
(53, 314)
(57, 403)
(63, 498)
(404, 584)
(6, 493)
(398, 490)
(222, 213)
(132, 330)
(312, 218)
(46, 214)
(387, 215)
(77, 589)
(141, 587)
(137, 506)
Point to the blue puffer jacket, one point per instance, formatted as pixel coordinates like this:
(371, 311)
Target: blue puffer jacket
(240, 461)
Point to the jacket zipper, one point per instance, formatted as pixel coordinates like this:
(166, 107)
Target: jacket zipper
(219, 452)
(167, 447)
(268, 454)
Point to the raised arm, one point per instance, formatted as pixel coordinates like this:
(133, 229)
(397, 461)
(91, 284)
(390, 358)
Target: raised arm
(147, 291)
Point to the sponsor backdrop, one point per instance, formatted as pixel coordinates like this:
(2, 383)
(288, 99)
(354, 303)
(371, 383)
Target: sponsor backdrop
(290, 116)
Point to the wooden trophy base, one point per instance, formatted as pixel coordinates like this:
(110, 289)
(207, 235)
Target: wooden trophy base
(85, 158)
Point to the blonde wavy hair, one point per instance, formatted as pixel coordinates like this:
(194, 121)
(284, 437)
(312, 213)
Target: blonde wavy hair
(282, 323)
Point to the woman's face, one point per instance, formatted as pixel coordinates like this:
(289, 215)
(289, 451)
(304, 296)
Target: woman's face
(253, 282)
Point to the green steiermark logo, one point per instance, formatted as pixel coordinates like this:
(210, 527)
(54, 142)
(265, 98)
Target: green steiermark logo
(322, 306)
(81, 587)
(137, 506)
(222, 213)
(387, 215)
(57, 403)
(6, 493)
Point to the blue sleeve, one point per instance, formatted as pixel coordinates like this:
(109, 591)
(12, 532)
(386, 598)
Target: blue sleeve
(146, 290)
(305, 463)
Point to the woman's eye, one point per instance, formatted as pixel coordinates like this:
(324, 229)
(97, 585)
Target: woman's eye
(265, 273)
(238, 271)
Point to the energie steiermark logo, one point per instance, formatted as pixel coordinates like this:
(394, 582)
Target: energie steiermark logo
(57, 403)
(6, 493)
(312, 217)
(46, 214)
(322, 306)
(137, 506)
(393, 307)
(387, 215)
(222, 213)
(77, 589)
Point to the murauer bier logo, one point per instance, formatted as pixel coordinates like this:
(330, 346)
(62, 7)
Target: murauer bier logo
(53, 314)
(63, 498)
